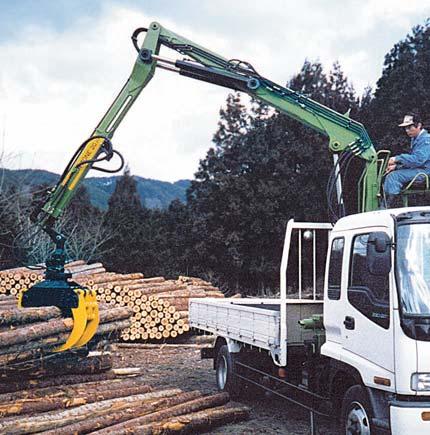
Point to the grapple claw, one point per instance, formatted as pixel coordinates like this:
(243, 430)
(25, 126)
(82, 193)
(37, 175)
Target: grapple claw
(80, 317)
(58, 290)
(75, 301)
(92, 309)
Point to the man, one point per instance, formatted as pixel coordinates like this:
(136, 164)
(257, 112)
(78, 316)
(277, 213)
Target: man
(404, 167)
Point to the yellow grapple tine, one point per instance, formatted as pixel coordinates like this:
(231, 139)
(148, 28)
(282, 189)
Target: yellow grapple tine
(79, 315)
(92, 318)
(19, 301)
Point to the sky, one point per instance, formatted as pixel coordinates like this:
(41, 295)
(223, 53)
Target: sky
(64, 61)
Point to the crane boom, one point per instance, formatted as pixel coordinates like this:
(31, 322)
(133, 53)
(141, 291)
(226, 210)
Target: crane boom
(344, 133)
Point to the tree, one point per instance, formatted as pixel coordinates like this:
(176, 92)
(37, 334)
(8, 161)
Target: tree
(123, 220)
(8, 229)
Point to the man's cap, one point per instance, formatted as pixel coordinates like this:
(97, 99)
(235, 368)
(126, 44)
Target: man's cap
(407, 120)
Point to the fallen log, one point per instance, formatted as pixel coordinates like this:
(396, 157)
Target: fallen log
(46, 344)
(155, 279)
(195, 422)
(56, 419)
(7, 386)
(112, 277)
(49, 403)
(116, 417)
(74, 390)
(11, 316)
(75, 263)
(128, 371)
(58, 364)
(160, 346)
(76, 269)
(91, 272)
(183, 408)
(55, 326)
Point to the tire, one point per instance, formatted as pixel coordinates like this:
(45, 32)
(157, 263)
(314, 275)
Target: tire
(356, 413)
(226, 373)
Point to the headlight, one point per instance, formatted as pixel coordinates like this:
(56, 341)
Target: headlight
(420, 382)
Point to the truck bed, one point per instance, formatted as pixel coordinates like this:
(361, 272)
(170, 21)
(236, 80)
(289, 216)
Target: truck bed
(255, 322)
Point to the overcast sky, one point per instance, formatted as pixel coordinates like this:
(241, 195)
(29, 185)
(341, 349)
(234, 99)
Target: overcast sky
(64, 61)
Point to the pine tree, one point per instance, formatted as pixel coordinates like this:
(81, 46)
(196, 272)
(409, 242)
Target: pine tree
(124, 220)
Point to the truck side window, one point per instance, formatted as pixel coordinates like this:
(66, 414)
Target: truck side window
(335, 268)
(368, 293)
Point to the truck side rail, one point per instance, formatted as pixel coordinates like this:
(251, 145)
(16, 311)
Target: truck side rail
(231, 319)
(311, 228)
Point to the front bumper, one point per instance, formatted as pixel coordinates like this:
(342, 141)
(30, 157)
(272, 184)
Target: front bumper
(407, 418)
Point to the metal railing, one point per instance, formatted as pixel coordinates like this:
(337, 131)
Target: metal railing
(311, 229)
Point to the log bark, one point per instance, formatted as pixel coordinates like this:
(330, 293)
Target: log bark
(8, 386)
(46, 344)
(56, 326)
(57, 419)
(76, 269)
(116, 417)
(155, 279)
(11, 316)
(160, 346)
(74, 390)
(182, 294)
(195, 422)
(75, 263)
(58, 364)
(49, 403)
(127, 371)
(183, 408)
(168, 288)
(91, 272)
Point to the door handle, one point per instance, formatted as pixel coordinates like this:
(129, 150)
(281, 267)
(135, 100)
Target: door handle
(349, 322)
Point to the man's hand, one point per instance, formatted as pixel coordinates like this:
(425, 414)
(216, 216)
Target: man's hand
(391, 165)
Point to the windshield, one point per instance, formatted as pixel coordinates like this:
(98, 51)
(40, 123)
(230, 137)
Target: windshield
(413, 267)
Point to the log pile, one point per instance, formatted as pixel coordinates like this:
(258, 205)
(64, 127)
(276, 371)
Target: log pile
(29, 336)
(160, 306)
(114, 406)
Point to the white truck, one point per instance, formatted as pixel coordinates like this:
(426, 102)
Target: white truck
(362, 351)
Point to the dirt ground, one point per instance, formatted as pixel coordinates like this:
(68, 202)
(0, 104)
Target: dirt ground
(182, 367)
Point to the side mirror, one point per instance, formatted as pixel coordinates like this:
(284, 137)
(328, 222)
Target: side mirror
(379, 253)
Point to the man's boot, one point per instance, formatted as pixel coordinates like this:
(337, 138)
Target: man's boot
(393, 201)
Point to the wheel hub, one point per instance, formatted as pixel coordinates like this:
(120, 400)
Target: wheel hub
(357, 422)
(222, 372)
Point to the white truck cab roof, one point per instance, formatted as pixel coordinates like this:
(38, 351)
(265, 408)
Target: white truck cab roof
(374, 218)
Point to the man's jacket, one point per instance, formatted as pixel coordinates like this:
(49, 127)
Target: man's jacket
(419, 157)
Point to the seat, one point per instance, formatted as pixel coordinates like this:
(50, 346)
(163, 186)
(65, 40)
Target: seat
(419, 185)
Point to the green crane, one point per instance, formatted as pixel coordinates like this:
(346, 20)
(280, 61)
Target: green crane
(345, 135)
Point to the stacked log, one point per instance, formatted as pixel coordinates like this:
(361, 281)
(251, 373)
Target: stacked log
(160, 306)
(12, 281)
(113, 407)
(29, 336)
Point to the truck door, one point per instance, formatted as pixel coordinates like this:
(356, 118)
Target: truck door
(367, 324)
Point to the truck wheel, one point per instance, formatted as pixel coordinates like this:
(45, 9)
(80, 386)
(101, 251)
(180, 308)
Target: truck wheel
(225, 373)
(356, 412)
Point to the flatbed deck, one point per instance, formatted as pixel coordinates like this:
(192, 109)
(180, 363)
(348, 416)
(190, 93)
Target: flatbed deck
(255, 322)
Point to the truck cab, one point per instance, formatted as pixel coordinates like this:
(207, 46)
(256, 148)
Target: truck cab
(377, 316)
(368, 361)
